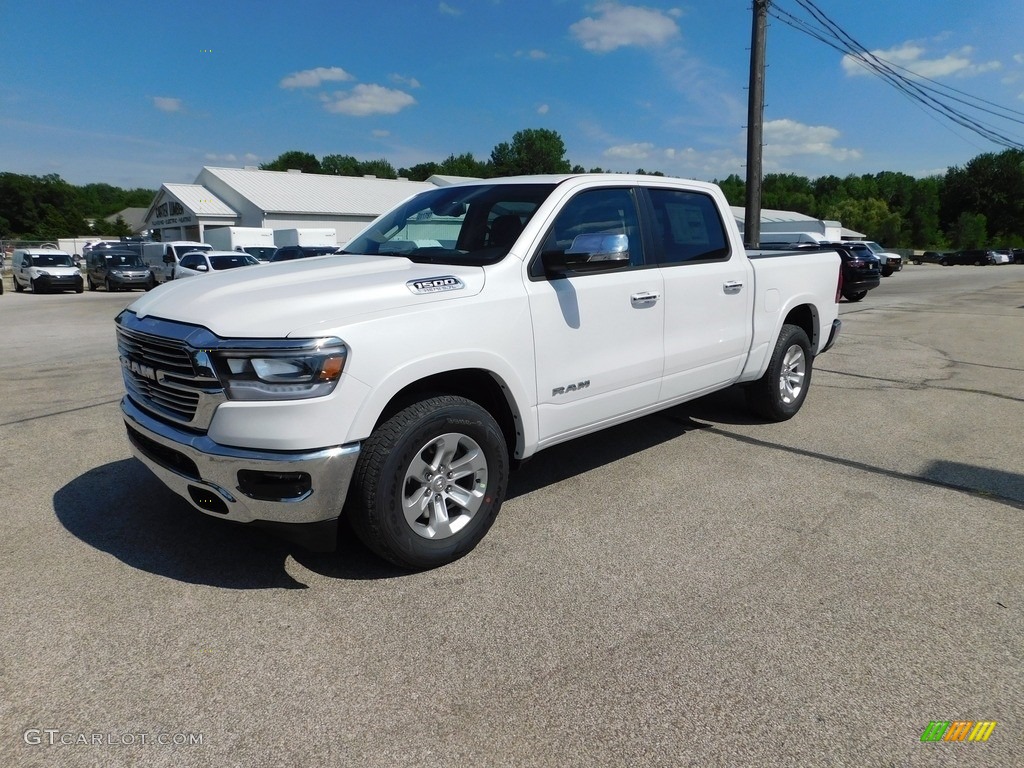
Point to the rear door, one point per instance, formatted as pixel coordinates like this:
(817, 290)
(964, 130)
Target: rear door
(709, 293)
(597, 337)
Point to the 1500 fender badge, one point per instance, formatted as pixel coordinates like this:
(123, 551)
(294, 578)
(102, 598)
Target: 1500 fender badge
(436, 284)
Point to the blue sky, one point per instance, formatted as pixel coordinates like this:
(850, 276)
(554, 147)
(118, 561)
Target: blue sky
(138, 93)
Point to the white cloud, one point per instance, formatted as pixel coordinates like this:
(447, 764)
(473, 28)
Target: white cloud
(167, 104)
(379, 133)
(313, 78)
(616, 26)
(543, 109)
(788, 138)
(534, 54)
(639, 151)
(408, 82)
(911, 56)
(365, 100)
(448, 10)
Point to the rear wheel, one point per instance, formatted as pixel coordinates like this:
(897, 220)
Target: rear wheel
(854, 295)
(778, 394)
(429, 482)
(18, 287)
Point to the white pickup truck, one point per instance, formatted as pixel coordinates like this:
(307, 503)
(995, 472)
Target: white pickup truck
(464, 331)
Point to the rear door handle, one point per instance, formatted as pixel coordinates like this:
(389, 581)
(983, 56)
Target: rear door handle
(638, 299)
(732, 286)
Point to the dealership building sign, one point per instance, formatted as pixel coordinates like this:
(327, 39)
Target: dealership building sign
(171, 213)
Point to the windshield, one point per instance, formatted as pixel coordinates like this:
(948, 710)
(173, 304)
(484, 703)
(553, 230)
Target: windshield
(473, 224)
(233, 260)
(875, 247)
(52, 260)
(181, 250)
(124, 260)
(261, 252)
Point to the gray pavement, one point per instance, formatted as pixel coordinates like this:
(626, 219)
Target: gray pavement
(692, 589)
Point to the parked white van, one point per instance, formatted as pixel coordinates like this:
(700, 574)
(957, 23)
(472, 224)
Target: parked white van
(163, 258)
(45, 269)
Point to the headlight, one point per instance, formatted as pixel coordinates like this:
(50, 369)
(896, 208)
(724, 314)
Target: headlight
(280, 374)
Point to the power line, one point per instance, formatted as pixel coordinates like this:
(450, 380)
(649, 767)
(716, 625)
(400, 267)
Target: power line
(824, 29)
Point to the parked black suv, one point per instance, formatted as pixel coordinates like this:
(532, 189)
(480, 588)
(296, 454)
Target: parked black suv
(861, 268)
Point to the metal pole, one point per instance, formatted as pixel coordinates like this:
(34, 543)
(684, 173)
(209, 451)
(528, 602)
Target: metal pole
(755, 125)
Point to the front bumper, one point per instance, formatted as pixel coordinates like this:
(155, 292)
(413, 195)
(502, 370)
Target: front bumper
(58, 282)
(129, 281)
(298, 495)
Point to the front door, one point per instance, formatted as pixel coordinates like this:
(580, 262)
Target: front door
(598, 337)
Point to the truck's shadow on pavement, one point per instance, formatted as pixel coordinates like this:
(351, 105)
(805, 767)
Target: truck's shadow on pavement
(122, 509)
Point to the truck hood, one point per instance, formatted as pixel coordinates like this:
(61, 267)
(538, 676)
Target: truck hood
(279, 300)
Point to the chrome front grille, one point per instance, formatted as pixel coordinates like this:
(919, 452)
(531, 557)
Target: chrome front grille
(166, 372)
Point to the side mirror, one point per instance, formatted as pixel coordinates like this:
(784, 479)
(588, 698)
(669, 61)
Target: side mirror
(202, 268)
(596, 252)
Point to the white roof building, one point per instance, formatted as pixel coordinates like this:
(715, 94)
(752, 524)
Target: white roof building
(790, 221)
(247, 197)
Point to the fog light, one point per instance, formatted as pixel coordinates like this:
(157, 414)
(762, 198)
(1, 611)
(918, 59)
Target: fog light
(275, 486)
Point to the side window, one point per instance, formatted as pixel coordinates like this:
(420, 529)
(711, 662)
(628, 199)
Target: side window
(191, 261)
(611, 210)
(688, 227)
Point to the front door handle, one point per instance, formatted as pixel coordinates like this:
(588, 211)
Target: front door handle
(638, 299)
(732, 286)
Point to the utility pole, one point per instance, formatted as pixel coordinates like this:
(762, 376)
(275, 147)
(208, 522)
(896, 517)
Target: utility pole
(755, 125)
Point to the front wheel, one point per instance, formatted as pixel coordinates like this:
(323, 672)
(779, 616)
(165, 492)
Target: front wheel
(887, 271)
(429, 482)
(778, 394)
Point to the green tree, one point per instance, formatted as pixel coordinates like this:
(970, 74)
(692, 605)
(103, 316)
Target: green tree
(382, 169)
(420, 171)
(787, 192)
(734, 188)
(340, 165)
(533, 150)
(464, 165)
(294, 159)
(970, 231)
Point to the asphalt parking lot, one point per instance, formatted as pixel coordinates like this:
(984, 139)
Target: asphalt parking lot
(692, 589)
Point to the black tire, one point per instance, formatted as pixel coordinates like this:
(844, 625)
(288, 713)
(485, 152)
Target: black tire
(80, 287)
(778, 395)
(854, 295)
(32, 285)
(917, 263)
(385, 480)
(108, 285)
(886, 271)
(151, 283)
(944, 262)
(92, 285)
(18, 287)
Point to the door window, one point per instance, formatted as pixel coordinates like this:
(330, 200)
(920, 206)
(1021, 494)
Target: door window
(608, 211)
(687, 227)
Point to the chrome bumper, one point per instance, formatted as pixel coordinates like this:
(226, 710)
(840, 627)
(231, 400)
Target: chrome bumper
(276, 489)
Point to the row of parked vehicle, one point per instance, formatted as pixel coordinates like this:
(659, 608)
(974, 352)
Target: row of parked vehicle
(861, 267)
(979, 257)
(127, 266)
